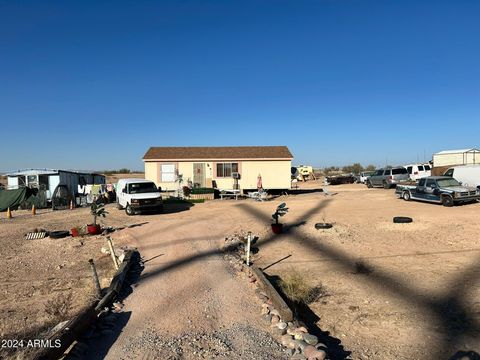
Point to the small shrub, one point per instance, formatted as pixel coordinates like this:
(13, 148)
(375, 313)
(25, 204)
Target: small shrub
(186, 191)
(297, 288)
(59, 308)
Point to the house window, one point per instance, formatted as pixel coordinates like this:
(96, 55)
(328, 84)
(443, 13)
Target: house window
(226, 169)
(168, 172)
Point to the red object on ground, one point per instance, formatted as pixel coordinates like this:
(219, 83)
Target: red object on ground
(74, 232)
(93, 229)
(277, 228)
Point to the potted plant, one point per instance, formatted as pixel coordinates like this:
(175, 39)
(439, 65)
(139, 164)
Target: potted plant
(282, 209)
(75, 231)
(97, 210)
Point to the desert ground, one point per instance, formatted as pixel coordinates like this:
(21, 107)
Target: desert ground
(391, 291)
(113, 178)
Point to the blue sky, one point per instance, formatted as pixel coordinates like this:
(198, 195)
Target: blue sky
(93, 84)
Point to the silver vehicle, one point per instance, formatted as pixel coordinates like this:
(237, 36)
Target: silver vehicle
(387, 178)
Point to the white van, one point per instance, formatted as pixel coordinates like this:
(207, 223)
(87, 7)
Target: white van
(137, 195)
(418, 171)
(468, 175)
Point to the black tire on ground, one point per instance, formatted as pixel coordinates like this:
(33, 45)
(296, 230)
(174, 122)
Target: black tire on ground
(58, 234)
(369, 184)
(406, 196)
(323, 226)
(128, 210)
(447, 201)
(160, 209)
(402, 219)
(386, 185)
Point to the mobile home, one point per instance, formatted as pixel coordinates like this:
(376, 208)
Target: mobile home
(49, 179)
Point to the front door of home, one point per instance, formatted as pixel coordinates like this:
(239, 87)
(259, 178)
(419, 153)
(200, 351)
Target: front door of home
(199, 174)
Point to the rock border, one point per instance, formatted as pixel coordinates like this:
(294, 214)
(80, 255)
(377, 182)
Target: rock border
(72, 329)
(289, 331)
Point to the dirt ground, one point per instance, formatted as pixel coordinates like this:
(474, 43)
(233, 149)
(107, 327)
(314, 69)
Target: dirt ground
(419, 299)
(39, 277)
(113, 178)
(422, 297)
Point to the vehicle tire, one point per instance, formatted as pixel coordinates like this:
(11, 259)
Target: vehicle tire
(128, 210)
(369, 184)
(406, 196)
(160, 209)
(386, 185)
(447, 201)
(58, 234)
(402, 219)
(323, 226)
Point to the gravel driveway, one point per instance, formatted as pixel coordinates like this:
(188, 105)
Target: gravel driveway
(187, 303)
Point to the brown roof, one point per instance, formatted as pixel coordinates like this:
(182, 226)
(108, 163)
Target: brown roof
(223, 152)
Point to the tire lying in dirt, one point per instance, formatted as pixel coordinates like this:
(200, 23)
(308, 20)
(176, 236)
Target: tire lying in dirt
(402, 219)
(319, 226)
(58, 234)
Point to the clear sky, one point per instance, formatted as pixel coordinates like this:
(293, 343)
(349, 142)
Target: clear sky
(93, 84)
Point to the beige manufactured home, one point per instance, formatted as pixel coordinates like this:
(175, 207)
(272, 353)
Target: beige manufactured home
(217, 166)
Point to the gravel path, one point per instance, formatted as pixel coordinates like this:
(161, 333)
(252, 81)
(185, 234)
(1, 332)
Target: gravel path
(188, 305)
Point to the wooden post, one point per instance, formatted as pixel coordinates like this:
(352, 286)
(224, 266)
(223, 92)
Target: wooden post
(112, 252)
(34, 211)
(9, 213)
(95, 278)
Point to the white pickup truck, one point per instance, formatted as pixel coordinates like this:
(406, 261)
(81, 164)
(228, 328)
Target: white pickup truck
(137, 195)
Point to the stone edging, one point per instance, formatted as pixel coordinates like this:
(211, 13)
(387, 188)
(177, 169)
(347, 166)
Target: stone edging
(293, 333)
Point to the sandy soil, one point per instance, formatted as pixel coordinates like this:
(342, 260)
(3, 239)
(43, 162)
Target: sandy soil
(38, 276)
(420, 301)
(113, 178)
(188, 291)
(422, 295)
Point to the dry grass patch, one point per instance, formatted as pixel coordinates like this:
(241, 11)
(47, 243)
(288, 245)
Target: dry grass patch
(297, 288)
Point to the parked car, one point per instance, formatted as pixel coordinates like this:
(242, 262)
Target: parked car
(387, 177)
(137, 195)
(363, 176)
(438, 189)
(418, 171)
(341, 179)
(468, 175)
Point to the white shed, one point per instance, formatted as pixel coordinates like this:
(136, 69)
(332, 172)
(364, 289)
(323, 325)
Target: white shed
(456, 157)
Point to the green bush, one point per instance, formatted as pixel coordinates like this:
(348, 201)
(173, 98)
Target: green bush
(202, 191)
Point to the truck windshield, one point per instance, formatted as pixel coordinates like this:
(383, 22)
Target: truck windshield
(447, 182)
(139, 188)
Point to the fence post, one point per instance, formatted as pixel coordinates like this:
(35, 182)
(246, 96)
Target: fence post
(112, 252)
(95, 278)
